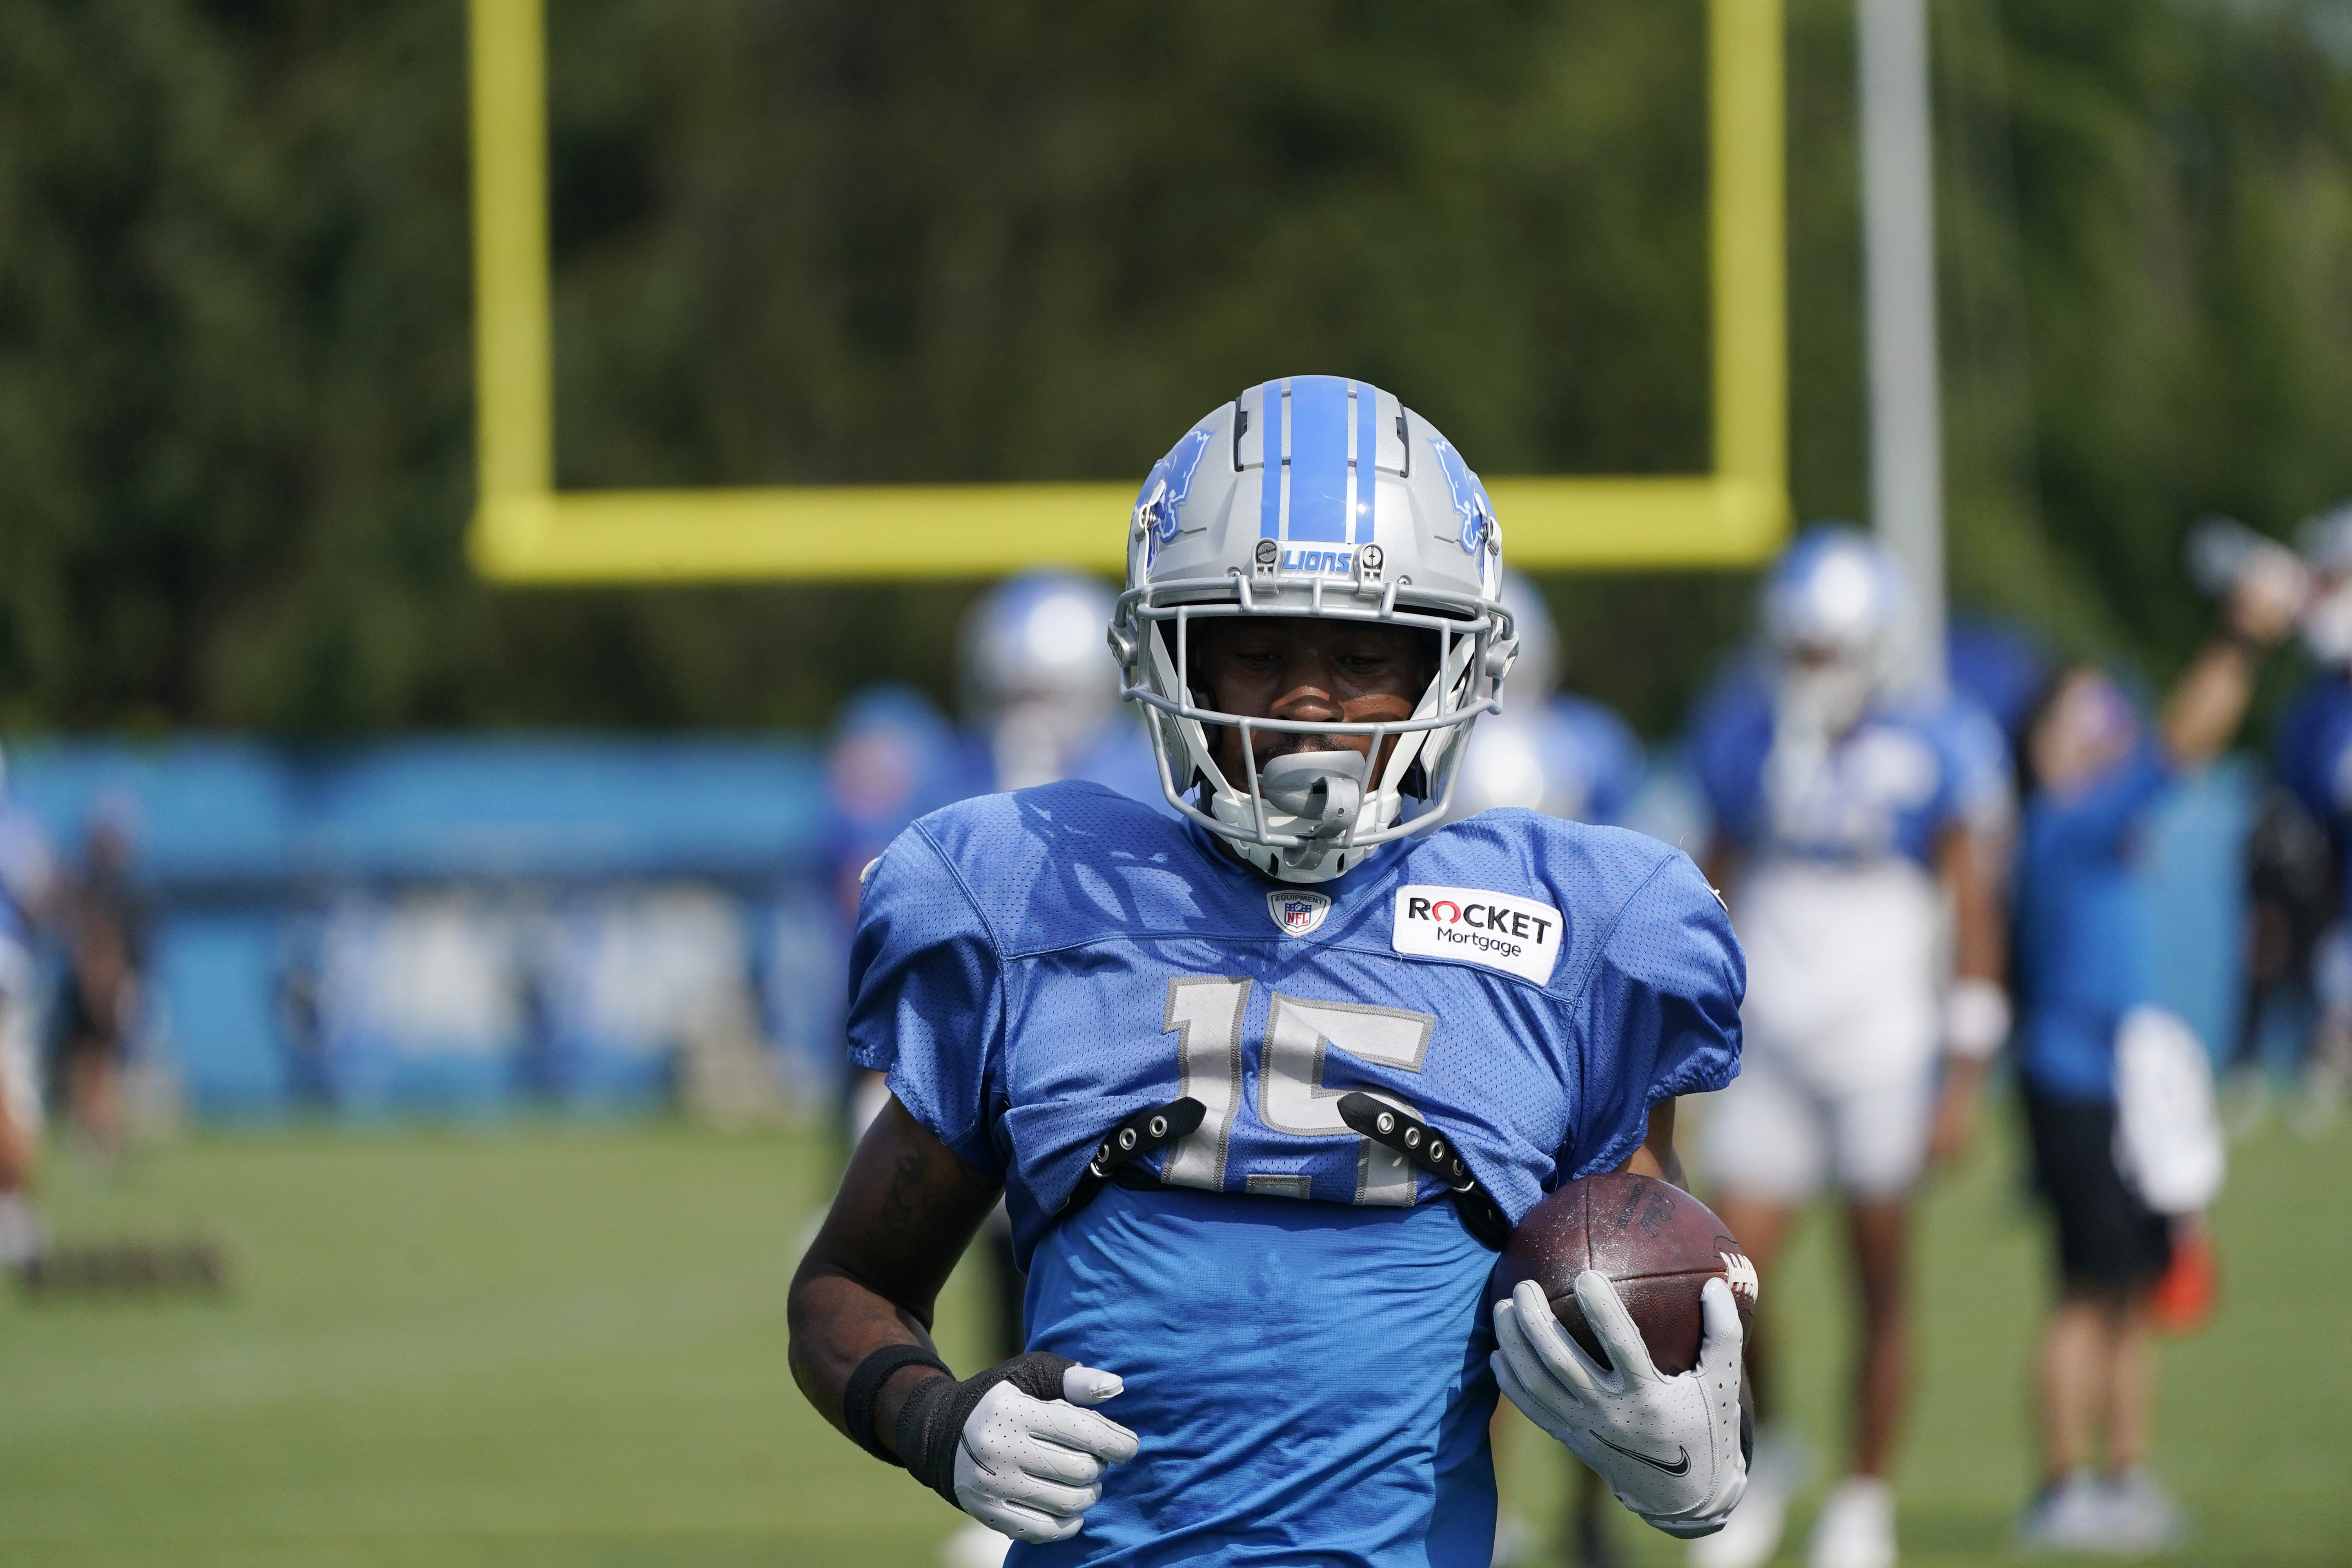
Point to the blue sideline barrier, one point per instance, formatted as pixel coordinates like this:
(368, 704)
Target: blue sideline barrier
(264, 859)
(265, 862)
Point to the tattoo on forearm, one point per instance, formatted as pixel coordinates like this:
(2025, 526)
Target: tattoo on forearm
(907, 1179)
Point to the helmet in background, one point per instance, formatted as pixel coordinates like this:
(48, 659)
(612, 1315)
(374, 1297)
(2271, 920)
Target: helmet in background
(1837, 618)
(1034, 675)
(2326, 541)
(1537, 668)
(1313, 496)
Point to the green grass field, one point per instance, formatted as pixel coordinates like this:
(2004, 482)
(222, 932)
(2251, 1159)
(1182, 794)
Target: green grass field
(566, 1346)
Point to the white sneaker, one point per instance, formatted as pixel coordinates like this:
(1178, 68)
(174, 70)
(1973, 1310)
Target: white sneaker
(1752, 1533)
(2071, 1515)
(2317, 1101)
(1856, 1528)
(2141, 1516)
(974, 1546)
(2245, 1103)
(23, 1239)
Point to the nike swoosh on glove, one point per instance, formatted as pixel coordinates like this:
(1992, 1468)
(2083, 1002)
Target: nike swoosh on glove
(1668, 1447)
(1012, 1447)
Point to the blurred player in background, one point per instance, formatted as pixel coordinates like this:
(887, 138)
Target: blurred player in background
(1548, 750)
(893, 758)
(27, 878)
(1566, 756)
(1854, 817)
(2314, 761)
(2086, 987)
(2291, 907)
(1037, 686)
(102, 914)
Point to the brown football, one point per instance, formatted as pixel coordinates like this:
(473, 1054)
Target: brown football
(1657, 1243)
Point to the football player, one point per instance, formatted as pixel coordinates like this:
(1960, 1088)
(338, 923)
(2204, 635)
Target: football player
(2314, 761)
(27, 878)
(1043, 696)
(1263, 1085)
(1548, 750)
(1037, 687)
(1848, 812)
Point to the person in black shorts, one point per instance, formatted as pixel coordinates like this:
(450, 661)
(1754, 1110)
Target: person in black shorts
(2085, 969)
(104, 922)
(2110, 1243)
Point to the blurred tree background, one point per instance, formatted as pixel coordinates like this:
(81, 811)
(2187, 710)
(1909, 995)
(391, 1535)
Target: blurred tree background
(822, 240)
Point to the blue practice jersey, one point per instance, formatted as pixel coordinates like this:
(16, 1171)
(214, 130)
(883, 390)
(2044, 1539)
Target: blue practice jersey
(1309, 1377)
(1564, 756)
(1892, 784)
(894, 757)
(2086, 948)
(1120, 759)
(1601, 753)
(26, 869)
(2314, 758)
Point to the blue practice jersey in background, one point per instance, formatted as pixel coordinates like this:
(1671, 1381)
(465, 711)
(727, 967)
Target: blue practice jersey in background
(1564, 756)
(1603, 755)
(1309, 1377)
(2314, 758)
(1890, 785)
(2085, 947)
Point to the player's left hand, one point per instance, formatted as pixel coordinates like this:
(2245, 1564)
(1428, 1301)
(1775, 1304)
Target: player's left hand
(1668, 1447)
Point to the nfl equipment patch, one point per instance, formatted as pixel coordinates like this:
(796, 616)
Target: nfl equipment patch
(1298, 913)
(1479, 926)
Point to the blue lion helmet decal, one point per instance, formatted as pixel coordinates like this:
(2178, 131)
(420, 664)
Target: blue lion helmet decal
(1470, 502)
(1169, 483)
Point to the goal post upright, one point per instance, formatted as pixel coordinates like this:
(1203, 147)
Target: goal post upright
(527, 530)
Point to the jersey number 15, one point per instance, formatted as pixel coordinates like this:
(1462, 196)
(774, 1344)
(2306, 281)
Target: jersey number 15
(1205, 1013)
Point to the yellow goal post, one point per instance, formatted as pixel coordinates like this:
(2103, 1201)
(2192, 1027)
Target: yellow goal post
(525, 530)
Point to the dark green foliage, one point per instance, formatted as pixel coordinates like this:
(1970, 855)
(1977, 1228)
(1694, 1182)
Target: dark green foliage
(826, 241)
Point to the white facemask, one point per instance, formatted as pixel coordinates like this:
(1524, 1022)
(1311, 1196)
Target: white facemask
(1830, 698)
(2327, 625)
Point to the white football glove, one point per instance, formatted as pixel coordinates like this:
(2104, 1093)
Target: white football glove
(1668, 1447)
(1028, 1467)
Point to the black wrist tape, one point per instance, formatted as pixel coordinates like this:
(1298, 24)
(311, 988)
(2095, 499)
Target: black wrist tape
(865, 1386)
(930, 1424)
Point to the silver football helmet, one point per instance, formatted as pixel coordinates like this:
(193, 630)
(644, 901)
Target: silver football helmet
(1536, 668)
(1313, 496)
(2327, 540)
(1508, 761)
(1034, 675)
(1838, 616)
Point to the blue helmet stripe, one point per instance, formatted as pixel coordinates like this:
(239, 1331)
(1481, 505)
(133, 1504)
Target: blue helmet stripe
(1318, 508)
(1269, 441)
(1364, 468)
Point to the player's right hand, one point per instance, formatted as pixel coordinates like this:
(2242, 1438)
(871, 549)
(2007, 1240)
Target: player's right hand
(1668, 1447)
(1014, 1445)
(1028, 1467)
